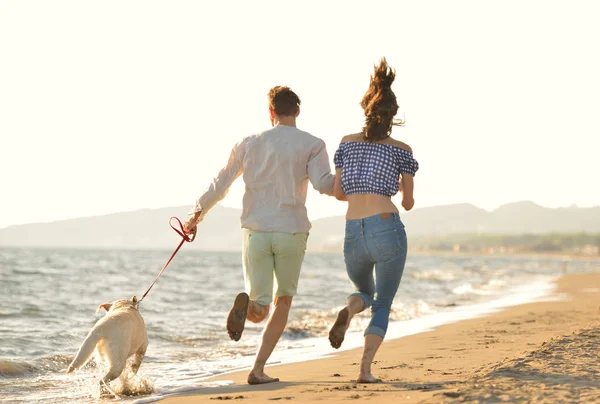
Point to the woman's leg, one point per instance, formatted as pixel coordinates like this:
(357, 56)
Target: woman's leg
(388, 272)
(372, 344)
(388, 275)
(360, 271)
(354, 305)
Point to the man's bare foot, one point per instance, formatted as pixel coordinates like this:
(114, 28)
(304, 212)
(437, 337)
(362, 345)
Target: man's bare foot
(261, 379)
(368, 378)
(338, 331)
(236, 320)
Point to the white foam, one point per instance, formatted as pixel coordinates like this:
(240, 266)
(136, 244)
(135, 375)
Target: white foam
(315, 348)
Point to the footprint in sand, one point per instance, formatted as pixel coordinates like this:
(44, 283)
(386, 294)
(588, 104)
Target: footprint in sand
(228, 398)
(399, 366)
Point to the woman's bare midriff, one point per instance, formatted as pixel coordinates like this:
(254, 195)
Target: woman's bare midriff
(365, 205)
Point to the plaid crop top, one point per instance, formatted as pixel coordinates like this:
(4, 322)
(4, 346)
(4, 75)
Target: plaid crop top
(373, 168)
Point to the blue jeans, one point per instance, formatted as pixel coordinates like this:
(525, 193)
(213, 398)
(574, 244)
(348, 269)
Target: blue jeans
(376, 241)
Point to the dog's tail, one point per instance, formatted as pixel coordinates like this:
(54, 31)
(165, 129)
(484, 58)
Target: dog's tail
(86, 351)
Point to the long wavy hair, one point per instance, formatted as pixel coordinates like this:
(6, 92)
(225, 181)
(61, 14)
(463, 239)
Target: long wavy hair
(380, 105)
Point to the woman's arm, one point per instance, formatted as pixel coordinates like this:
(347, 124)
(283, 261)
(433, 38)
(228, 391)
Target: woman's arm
(407, 186)
(338, 192)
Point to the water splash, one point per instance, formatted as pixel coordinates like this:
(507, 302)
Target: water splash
(131, 385)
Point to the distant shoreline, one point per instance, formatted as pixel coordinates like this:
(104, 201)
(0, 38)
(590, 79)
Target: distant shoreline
(418, 252)
(533, 255)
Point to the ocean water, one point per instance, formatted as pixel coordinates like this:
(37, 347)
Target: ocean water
(49, 298)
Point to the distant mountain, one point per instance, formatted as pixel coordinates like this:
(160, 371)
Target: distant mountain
(528, 217)
(447, 219)
(147, 228)
(513, 218)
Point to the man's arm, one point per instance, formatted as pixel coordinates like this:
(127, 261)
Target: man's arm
(218, 189)
(319, 170)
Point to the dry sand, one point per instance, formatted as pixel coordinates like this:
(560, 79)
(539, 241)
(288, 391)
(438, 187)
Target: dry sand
(546, 352)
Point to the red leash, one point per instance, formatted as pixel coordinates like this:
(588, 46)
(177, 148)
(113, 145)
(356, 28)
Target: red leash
(184, 238)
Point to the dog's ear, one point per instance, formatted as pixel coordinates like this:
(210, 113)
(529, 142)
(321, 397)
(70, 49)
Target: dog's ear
(105, 306)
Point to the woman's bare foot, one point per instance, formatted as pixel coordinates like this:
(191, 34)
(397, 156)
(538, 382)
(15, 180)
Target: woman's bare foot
(236, 320)
(254, 378)
(338, 331)
(367, 378)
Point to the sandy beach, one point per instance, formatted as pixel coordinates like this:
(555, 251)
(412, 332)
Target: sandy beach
(544, 352)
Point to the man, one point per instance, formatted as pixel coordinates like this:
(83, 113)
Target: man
(276, 166)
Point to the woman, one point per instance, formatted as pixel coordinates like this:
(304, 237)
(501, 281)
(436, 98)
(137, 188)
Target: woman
(371, 167)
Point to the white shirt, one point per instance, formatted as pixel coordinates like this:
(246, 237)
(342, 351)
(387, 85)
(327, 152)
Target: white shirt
(276, 165)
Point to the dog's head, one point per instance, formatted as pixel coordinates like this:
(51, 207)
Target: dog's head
(117, 304)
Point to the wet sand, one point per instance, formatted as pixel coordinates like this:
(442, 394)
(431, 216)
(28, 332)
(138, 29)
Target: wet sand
(545, 352)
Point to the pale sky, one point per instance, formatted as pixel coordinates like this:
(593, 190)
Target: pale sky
(111, 106)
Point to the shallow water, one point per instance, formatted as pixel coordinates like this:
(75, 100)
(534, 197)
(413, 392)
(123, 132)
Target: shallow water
(49, 298)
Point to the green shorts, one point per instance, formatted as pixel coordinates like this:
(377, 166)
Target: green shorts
(268, 254)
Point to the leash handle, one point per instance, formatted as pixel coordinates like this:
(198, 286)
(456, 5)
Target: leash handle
(181, 232)
(184, 238)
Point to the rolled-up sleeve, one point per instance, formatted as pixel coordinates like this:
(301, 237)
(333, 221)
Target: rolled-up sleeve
(338, 157)
(319, 170)
(219, 187)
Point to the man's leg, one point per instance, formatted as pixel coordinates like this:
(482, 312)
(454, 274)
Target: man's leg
(258, 312)
(270, 337)
(288, 251)
(258, 271)
(236, 319)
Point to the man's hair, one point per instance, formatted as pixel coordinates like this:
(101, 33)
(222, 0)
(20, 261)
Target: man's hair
(283, 101)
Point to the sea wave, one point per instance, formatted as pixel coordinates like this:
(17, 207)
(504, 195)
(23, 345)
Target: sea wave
(15, 368)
